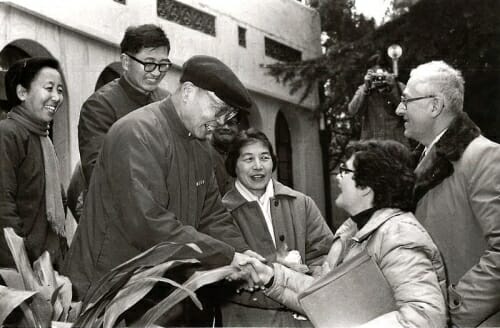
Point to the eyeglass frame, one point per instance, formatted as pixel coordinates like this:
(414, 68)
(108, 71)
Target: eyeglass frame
(225, 112)
(405, 100)
(222, 119)
(343, 169)
(156, 65)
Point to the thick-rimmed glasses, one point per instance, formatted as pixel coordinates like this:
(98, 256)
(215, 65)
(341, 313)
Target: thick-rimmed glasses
(343, 170)
(405, 100)
(150, 66)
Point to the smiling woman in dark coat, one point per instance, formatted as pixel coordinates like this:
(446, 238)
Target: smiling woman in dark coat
(30, 189)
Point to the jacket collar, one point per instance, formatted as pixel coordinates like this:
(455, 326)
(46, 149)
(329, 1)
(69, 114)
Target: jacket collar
(378, 218)
(133, 93)
(168, 109)
(437, 164)
(233, 199)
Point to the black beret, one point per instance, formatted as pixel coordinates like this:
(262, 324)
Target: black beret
(211, 74)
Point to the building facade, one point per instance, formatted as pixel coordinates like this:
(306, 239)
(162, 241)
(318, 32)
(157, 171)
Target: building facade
(84, 36)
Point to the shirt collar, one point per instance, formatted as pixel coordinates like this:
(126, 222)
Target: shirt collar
(269, 193)
(436, 139)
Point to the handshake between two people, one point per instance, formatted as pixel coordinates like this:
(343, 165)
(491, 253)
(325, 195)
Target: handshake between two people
(256, 273)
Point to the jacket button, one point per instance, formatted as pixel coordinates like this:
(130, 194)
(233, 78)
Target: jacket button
(254, 299)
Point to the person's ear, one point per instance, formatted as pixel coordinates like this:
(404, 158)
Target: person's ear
(21, 92)
(125, 60)
(437, 106)
(187, 90)
(366, 190)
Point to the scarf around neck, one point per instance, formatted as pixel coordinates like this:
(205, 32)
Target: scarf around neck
(53, 192)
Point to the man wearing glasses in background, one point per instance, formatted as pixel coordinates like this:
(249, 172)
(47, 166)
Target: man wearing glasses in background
(457, 191)
(221, 140)
(144, 59)
(154, 182)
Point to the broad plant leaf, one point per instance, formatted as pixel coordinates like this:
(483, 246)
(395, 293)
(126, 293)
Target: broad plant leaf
(30, 318)
(18, 251)
(74, 311)
(11, 299)
(40, 303)
(61, 324)
(160, 253)
(196, 281)
(89, 317)
(12, 278)
(64, 295)
(47, 276)
(42, 309)
(137, 287)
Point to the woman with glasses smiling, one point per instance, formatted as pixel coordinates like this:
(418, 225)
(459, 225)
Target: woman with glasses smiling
(277, 222)
(376, 184)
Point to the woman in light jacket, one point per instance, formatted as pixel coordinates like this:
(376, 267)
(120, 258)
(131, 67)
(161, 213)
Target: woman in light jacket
(376, 186)
(277, 222)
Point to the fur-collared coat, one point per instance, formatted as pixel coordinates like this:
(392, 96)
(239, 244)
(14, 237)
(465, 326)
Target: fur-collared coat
(458, 194)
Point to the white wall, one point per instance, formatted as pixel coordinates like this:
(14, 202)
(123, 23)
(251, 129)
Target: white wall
(84, 37)
(108, 19)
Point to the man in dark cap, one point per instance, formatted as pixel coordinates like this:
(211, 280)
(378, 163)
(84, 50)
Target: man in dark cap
(151, 182)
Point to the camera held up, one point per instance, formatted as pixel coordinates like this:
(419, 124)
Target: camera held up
(377, 79)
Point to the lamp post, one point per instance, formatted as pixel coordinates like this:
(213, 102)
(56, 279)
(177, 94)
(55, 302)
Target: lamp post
(394, 51)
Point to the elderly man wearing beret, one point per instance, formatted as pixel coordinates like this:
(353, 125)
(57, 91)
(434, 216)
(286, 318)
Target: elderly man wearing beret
(151, 182)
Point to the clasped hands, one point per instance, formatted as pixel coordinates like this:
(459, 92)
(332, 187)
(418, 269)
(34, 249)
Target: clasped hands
(252, 270)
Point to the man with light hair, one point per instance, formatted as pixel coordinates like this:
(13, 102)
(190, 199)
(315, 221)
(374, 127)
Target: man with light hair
(457, 190)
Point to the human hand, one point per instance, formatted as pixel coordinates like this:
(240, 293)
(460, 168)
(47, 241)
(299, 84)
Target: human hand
(255, 255)
(245, 273)
(260, 273)
(368, 80)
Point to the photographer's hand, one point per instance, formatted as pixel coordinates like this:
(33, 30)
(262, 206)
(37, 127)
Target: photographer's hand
(368, 81)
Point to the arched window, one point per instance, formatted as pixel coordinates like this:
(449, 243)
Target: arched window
(8, 56)
(284, 151)
(111, 72)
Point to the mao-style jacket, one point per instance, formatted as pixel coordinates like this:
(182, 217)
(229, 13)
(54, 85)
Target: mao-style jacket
(151, 184)
(22, 196)
(101, 110)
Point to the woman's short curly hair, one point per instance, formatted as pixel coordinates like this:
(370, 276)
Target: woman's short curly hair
(386, 167)
(243, 138)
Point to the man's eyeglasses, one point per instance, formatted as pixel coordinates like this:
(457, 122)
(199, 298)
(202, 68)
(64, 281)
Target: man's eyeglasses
(150, 66)
(405, 100)
(343, 170)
